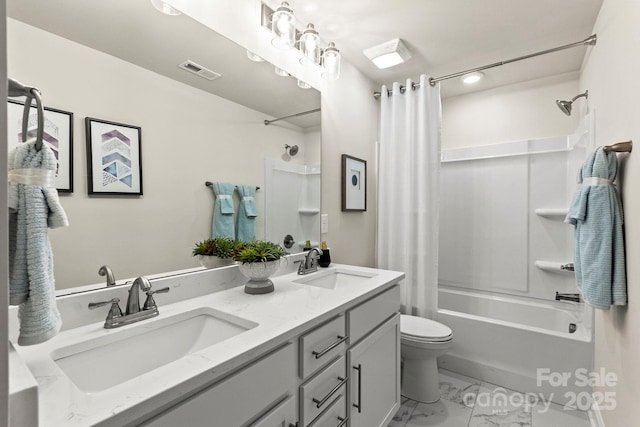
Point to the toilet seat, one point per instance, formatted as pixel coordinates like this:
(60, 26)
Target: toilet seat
(419, 329)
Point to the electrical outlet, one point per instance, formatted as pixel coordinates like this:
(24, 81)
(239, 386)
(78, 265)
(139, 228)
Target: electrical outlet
(324, 223)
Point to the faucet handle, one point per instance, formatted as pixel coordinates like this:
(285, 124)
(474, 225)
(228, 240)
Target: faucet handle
(150, 303)
(114, 311)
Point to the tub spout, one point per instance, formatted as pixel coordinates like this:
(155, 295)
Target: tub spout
(567, 297)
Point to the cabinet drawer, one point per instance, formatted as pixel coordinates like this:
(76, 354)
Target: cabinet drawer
(372, 313)
(283, 415)
(321, 345)
(317, 394)
(237, 399)
(334, 416)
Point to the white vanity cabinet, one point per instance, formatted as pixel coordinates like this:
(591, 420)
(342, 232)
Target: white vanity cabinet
(263, 387)
(342, 372)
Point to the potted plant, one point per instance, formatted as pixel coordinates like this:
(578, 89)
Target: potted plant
(216, 252)
(258, 260)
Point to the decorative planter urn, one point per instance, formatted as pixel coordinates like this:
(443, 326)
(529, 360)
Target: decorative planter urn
(258, 274)
(212, 261)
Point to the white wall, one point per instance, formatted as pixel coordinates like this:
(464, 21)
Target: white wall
(509, 113)
(611, 75)
(188, 137)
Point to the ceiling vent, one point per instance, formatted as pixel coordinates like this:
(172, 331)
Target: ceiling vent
(199, 70)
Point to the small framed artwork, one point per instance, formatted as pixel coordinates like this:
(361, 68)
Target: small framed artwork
(354, 184)
(114, 159)
(58, 135)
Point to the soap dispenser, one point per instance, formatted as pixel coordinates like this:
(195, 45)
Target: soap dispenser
(325, 257)
(307, 246)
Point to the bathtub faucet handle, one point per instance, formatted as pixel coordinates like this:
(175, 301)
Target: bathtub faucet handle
(567, 297)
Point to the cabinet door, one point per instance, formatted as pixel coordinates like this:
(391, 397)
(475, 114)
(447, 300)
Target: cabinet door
(375, 376)
(283, 415)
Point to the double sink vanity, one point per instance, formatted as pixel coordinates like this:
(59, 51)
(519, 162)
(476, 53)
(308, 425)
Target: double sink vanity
(322, 350)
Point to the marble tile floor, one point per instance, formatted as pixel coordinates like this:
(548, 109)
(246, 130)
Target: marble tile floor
(467, 402)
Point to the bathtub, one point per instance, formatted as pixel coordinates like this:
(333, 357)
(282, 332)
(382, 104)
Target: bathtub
(519, 343)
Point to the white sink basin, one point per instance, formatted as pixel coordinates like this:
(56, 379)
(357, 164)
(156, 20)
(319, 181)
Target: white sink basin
(334, 278)
(123, 354)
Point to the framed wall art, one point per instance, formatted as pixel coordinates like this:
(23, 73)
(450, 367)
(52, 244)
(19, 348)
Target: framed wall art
(58, 135)
(354, 184)
(114, 159)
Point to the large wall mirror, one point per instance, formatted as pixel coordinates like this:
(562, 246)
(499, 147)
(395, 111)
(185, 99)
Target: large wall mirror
(118, 61)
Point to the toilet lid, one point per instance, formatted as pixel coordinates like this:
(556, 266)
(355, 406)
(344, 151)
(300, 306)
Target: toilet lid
(421, 328)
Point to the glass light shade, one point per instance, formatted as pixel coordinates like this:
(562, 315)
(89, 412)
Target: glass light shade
(165, 8)
(310, 46)
(303, 85)
(283, 26)
(331, 62)
(281, 72)
(255, 58)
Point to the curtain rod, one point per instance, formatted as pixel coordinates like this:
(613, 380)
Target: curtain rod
(268, 122)
(590, 41)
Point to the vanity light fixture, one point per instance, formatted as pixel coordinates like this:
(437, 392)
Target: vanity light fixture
(165, 8)
(281, 72)
(255, 58)
(331, 62)
(283, 26)
(388, 54)
(309, 46)
(471, 78)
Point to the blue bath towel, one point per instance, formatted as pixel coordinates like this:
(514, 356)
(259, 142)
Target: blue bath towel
(597, 214)
(33, 205)
(223, 210)
(247, 213)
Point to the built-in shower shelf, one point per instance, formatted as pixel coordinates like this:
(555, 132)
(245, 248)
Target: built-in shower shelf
(556, 213)
(310, 211)
(554, 267)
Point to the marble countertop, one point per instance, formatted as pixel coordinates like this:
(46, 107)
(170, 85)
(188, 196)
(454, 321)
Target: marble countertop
(281, 315)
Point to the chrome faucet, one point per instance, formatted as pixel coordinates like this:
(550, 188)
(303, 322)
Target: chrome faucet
(567, 297)
(115, 318)
(133, 302)
(105, 270)
(310, 262)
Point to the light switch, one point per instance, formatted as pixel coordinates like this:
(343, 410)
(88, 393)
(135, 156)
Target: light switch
(324, 223)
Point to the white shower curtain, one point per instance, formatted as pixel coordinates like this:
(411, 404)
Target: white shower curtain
(409, 167)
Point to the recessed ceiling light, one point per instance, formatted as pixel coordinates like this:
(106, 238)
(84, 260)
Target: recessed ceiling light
(472, 78)
(165, 8)
(388, 54)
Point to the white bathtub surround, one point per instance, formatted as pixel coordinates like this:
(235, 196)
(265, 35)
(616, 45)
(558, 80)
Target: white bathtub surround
(280, 316)
(467, 402)
(409, 185)
(507, 340)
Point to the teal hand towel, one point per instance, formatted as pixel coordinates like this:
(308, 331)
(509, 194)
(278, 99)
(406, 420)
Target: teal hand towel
(596, 213)
(33, 207)
(223, 210)
(247, 213)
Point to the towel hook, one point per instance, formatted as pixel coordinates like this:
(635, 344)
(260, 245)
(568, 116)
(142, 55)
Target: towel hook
(17, 89)
(620, 147)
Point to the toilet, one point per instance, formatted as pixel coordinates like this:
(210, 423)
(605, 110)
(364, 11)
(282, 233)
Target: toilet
(421, 342)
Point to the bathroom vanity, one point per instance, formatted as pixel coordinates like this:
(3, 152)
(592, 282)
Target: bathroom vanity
(322, 350)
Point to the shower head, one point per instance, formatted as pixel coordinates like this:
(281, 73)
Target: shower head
(292, 150)
(565, 106)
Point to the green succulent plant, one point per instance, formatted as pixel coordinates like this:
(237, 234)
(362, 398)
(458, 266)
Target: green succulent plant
(218, 246)
(258, 251)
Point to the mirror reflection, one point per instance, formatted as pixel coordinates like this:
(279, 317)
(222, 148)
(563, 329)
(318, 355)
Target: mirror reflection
(97, 60)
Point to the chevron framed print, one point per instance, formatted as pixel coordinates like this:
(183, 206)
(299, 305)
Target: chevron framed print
(114, 160)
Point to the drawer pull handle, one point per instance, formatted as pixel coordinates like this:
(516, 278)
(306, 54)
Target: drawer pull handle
(322, 401)
(343, 421)
(359, 404)
(319, 354)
